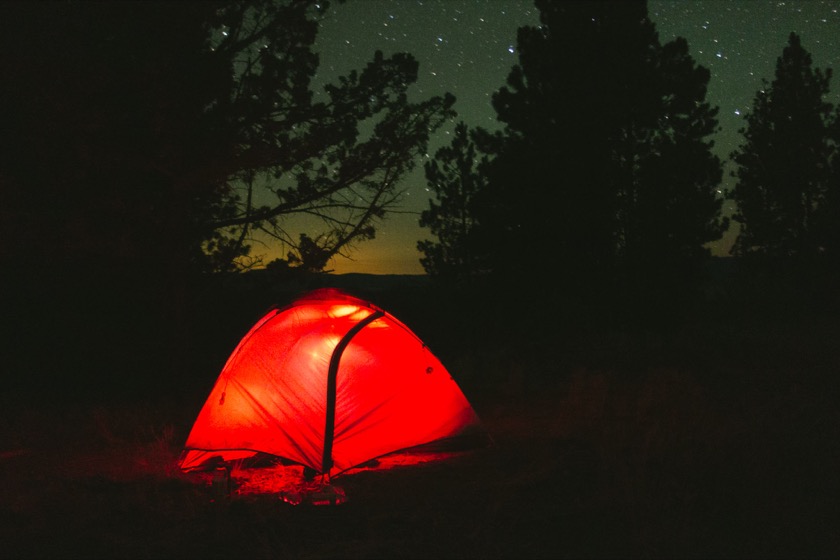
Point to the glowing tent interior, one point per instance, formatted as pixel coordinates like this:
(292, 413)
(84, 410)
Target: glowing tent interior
(329, 382)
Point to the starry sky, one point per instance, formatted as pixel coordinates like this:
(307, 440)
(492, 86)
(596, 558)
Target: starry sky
(467, 47)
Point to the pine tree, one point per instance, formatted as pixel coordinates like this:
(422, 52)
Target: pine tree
(829, 213)
(604, 160)
(454, 179)
(668, 203)
(783, 166)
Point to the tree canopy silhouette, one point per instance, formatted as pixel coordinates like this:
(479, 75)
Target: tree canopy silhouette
(455, 179)
(605, 158)
(145, 141)
(783, 167)
(174, 130)
(830, 214)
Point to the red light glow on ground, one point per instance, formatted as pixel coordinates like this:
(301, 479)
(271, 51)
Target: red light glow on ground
(288, 483)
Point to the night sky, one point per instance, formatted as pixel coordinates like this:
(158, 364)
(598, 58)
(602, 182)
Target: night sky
(467, 47)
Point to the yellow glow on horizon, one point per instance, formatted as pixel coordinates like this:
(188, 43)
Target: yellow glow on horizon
(392, 251)
(376, 262)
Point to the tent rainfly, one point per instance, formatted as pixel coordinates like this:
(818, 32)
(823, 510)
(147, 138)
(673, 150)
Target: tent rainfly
(329, 382)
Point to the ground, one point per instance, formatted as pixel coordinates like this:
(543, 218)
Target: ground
(713, 433)
(596, 467)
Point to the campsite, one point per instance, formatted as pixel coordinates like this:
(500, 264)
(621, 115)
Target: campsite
(712, 435)
(442, 279)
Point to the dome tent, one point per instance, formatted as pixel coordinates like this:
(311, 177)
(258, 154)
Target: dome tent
(329, 382)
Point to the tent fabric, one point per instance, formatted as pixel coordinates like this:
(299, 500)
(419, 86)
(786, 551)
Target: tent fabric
(275, 394)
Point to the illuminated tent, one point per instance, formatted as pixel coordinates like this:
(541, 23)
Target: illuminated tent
(329, 382)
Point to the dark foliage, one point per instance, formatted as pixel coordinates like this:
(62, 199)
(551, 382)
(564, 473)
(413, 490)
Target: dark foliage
(159, 131)
(604, 164)
(144, 143)
(786, 194)
(830, 214)
(107, 146)
(455, 180)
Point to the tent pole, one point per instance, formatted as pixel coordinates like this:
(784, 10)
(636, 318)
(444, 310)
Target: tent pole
(332, 375)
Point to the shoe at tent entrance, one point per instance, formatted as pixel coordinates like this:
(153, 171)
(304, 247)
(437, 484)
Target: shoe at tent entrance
(326, 385)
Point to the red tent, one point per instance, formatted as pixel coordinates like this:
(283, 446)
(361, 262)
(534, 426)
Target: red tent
(329, 382)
